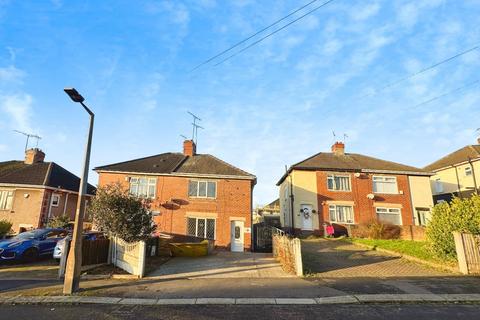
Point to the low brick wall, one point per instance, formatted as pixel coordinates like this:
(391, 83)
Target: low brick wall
(288, 252)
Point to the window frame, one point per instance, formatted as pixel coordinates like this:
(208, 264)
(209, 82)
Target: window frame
(55, 196)
(384, 178)
(439, 185)
(388, 211)
(331, 176)
(335, 206)
(148, 184)
(7, 205)
(205, 219)
(207, 188)
(470, 171)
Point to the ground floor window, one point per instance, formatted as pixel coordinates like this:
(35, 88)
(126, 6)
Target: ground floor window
(422, 216)
(389, 215)
(201, 227)
(341, 214)
(6, 199)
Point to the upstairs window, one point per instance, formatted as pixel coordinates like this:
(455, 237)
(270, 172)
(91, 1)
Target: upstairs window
(6, 199)
(438, 186)
(468, 171)
(202, 189)
(143, 187)
(338, 182)
(382, 184)
(55, 200)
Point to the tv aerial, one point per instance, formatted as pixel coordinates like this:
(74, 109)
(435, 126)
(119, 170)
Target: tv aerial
(195, 126)
(29, 135)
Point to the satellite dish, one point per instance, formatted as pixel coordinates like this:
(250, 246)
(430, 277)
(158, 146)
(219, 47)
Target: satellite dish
(371, 196)
(357, 174)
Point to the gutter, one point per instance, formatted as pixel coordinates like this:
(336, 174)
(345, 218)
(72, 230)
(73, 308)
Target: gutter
(192, 175)
(35, 186)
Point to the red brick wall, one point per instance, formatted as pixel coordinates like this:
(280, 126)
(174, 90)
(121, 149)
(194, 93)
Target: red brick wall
(233, 201)
(364, 210)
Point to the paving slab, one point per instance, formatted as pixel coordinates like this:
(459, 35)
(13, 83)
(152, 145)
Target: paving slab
(295, 301)
(176, 301)
(102, 300)
(337, 300)
(399, 298)
(255, 301)
(215, 301)
(62, 299)
(456, 297)
(138, 301)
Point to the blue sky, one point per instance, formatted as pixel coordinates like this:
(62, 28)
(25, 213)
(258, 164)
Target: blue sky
(273, 105)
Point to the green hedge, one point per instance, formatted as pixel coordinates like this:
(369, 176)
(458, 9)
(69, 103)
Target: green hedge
(461, 215)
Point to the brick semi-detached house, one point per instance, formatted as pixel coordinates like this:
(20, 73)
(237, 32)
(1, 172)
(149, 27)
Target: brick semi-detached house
(192, 194)
(34, 191)
(347, 189)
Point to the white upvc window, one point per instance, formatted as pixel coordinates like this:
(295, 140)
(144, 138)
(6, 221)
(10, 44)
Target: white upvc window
(389, 215)
(55, 200)
(468, 171)
(202, 189)
(143, 187)
(336, 182)
(438, 186)
(201, 227)
(340, 213)
(385, 184)
(6, 199)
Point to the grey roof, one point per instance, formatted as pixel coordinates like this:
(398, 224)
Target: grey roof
(48, 174)
(461, 155)
(178, 163)
(329, 161)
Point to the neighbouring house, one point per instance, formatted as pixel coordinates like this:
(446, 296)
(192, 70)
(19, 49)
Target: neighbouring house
(457, 174)
(33, 191)
(347, 189)
(270, 214)
(192, 194)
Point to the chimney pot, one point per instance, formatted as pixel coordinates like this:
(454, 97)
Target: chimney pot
(338, 148)
(189, 148)
(34, 155)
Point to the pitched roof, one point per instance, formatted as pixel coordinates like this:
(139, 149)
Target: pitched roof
(461, 155)
(180, 164)
(352, 162)
(48, 174)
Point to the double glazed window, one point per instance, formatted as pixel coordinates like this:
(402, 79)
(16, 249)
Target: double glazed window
(201, 228)
(438, 185)
(382, 184)
(389, 215)
(143, 187)
(468, 171)
(341, 214)
(55, 200)
(338, 182)
(202, 189)
(6, 199)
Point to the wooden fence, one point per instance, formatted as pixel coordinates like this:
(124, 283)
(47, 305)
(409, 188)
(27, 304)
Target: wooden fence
(468, 252)
(288, 252)
(129, 256)
(95, 251)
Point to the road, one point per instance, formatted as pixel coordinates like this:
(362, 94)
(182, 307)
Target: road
(352, 312)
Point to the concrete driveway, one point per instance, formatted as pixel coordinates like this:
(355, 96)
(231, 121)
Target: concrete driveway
(221, 265)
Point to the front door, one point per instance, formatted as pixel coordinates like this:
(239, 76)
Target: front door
(306, 215)
(236, 236)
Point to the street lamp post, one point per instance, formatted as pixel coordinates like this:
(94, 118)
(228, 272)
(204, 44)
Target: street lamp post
(74, 261)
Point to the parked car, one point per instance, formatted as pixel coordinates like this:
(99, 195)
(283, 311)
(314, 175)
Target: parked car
(30, 245)
(92, 235)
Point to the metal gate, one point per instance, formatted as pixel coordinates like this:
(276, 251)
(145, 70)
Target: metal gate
(262, 237)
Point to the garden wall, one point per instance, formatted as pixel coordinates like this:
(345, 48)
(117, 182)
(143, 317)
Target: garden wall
(288, 252)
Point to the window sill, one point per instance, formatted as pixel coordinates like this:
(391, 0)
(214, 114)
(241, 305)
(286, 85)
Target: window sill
(336, 222)
(202, 198)
(389, 193)
(339, 190)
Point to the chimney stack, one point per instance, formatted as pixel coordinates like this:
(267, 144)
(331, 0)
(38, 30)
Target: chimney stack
(338, 148)
(189, 148)
(34, 155)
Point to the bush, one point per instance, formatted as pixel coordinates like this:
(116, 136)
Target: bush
(5, 227)
(377, 230)
(58, 222)
(461, 215)
(120, 214)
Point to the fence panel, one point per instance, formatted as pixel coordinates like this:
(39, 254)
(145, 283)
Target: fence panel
(95, 251)
(129, 256)
(468, 252)
(288, 252)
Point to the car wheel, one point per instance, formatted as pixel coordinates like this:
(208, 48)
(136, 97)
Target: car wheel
(30, 255)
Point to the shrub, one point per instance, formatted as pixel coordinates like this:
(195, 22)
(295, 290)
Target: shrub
(120, 214)
(461, 215)
(5, 227)
(377, 230)
(58, 222)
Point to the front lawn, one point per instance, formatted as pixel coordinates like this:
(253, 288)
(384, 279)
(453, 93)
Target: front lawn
(417, 249)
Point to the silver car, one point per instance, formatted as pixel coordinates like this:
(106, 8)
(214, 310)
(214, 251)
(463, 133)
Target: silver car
(60, 247)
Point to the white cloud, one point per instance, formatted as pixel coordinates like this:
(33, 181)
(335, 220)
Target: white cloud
(364, 12)
(19, 108)
(10, 74)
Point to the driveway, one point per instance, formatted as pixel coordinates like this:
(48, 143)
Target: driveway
(340, 259)
(221, 265)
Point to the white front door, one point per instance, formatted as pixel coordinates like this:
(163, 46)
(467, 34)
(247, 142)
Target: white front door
(306, 215)
(236, 238)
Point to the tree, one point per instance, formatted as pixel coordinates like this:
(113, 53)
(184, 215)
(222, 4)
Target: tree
(461, 215)
(5, 227)
(120, 214)
(58, 222)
